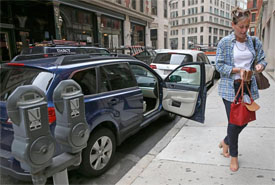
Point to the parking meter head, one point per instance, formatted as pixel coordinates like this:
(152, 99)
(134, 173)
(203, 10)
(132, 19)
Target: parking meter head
(23, 95)
(71, 127)
(33, 144)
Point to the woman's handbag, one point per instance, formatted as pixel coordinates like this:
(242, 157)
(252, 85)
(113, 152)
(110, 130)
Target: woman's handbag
(242, 113)
(262, 81)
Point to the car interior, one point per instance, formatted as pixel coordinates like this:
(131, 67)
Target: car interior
(148, 83)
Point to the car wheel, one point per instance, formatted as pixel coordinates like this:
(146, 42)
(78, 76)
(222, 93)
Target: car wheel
(99, 153)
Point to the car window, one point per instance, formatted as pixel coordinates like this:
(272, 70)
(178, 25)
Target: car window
(87, 81)
(189, 75)
(12, 77)
(144, 77)
(116, 76)
(172, 58)
(33, 50)
(203, 58)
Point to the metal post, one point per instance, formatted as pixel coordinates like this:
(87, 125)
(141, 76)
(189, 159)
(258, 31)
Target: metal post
(61, 178)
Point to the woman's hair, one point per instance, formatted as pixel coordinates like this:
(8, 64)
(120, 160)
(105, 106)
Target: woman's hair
(239, 14)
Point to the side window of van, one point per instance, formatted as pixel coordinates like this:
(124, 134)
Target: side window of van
(116, 76)
(87, 81)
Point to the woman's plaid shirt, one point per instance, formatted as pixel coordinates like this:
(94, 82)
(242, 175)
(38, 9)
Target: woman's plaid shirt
(225, 63)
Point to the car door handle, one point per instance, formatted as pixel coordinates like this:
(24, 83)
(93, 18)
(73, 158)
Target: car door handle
(113, 101)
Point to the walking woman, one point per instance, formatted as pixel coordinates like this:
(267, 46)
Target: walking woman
(235, 54)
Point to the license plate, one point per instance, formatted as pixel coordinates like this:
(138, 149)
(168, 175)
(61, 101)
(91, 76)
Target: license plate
(166, 72)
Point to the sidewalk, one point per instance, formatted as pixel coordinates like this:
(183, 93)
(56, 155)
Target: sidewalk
(189, 153)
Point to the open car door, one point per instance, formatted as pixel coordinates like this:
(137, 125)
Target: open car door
(184, 92)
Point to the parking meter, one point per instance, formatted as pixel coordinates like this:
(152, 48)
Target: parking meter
(33, 144)
(71, 127)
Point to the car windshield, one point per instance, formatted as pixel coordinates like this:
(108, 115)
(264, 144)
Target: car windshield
(12, 77)
(172, 58)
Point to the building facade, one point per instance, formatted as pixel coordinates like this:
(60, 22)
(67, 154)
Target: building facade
(254, 6)
(160, 27)
(105, 23)
(266, 32)
(199, 22)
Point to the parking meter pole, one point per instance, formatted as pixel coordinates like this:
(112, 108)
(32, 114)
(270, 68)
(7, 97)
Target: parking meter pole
(61, 178)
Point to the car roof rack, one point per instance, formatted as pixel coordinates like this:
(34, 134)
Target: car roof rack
(81, 58)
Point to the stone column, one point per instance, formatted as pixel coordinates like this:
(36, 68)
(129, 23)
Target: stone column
(127, 31)
(99, 28)
(57, 20)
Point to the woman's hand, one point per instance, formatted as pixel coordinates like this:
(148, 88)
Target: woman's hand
(242, 73)
(259, 68)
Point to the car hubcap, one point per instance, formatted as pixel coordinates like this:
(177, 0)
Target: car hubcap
(101, 153)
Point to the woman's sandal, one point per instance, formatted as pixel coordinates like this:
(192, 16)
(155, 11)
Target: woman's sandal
(224, 149)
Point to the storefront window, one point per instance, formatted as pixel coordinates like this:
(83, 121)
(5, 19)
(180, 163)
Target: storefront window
(77, 25)
(111, 29)
(138, 34)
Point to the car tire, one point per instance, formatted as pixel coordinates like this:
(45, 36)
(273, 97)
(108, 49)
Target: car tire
(99, 153)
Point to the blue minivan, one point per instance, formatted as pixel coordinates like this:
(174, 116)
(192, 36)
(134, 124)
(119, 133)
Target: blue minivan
(121, 96)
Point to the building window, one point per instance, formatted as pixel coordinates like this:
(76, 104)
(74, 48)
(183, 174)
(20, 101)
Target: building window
(192, 41)
(210, 29)
(253, 19)
(215, 30)
(254, 3)
(215, 40)
(174, 43)
(221, 32)
(202, 19)
(183, 43)
(141, 5)
(165, 7)
(154, 7)
(134, 4)
(183, 12)
(202, 29)
(201, 39)
(226, 32)
(202, 9)
(183, 31)
(111, 32)
(183, 3)
(209, 40)
(138, 34)
(252, 31)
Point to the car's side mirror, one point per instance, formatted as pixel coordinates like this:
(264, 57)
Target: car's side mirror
(175, 78)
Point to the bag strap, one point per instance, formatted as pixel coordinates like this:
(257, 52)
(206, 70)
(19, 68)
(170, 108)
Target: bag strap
(238, 92)
(249, 92)
(254, 45)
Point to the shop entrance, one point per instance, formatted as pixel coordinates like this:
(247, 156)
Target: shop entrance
(5, 51)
